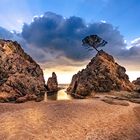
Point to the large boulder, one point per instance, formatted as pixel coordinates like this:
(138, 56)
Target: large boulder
(21, 78)
(52, 84)
(102, 74)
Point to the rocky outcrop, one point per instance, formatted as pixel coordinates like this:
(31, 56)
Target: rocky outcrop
(137, 84)
(21, 78)
(137, 81)
(102, 74)
(52, 84)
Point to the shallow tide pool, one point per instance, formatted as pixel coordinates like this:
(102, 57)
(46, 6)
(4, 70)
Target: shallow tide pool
(60, 95)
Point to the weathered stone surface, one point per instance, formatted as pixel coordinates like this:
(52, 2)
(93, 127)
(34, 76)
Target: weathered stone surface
(21, 78)
(137, 84)
(115, 102)
(137, 81)
(135, 100)
(52, 84)
(102, 74)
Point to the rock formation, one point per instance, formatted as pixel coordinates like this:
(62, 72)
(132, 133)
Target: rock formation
(21, 78)
(52, 84)
(137, 81)
(137, 84)
(102, 74)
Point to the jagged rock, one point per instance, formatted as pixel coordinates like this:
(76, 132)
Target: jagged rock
(52, 84)
(137, 84)
(21, 78)
(102, 74)
(137, 81)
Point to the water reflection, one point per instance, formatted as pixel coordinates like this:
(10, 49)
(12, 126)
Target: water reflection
(52, 97)
(45, 97)
(60, 95)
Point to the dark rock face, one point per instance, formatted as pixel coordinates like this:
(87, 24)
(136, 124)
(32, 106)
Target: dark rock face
(102, 74)
(21, 78)
(52, 84)
(137, 84)
(137, 81)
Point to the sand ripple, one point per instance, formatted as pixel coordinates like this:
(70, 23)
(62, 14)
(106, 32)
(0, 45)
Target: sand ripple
(69, 120)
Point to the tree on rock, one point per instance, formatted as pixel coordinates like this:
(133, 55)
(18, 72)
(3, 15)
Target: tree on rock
(93, 41)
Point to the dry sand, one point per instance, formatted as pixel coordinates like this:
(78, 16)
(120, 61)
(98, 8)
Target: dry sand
(88, 119)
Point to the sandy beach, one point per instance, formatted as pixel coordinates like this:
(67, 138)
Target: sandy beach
(87, 119)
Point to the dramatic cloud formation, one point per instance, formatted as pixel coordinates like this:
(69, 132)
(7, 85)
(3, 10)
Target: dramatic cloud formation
(136, 42)
(131, 57)
(53, 33)
(133, 51)
(53, 40)
(5, 34)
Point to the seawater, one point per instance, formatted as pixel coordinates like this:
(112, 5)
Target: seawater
(60, 95)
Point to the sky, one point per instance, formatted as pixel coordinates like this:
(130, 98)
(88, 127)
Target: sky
(51, 32)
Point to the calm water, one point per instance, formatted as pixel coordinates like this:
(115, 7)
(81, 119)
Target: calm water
(60, 95)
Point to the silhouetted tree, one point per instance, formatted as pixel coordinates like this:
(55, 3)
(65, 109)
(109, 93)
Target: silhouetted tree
(93, 41)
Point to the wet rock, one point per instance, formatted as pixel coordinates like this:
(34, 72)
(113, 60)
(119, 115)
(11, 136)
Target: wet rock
(77, 96)
(102, 74)
(115, 102)
(52, 84)
(21, 99)
(20, 75)
(135, 100)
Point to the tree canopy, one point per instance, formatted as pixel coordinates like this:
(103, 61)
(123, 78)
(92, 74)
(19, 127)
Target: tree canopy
(93, 41)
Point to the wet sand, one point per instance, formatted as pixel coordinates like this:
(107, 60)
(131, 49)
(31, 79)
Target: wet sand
(87, 119)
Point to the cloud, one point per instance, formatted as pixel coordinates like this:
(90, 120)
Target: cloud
(52, 33)
(103, 21)
(53, 40)
(133, 53)
(5, 34)
(129, 57)
(136, 42)
(12, 35)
